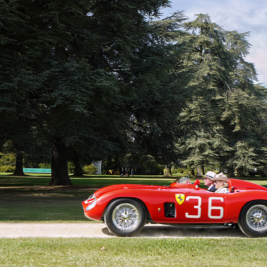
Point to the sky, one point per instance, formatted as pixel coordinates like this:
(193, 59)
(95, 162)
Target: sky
(239, 15)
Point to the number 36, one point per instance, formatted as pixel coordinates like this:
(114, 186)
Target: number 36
(210, 207)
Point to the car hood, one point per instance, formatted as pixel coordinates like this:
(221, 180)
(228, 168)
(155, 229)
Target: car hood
(127, 186)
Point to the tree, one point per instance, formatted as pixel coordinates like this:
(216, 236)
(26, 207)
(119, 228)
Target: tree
(226, 106)
(160, 92)
(18, 81)
(78, 58)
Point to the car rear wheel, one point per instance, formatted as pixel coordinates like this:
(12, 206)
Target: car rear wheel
(253, 219)
(125, 217)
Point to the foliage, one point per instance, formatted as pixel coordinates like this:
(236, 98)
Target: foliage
(179, 170)
(104, 79)
(155, 131)
(74, 75)
(7, 168)
(90, 169)
(152, 168)
(7, 159)
(226, 112)
(44, 166)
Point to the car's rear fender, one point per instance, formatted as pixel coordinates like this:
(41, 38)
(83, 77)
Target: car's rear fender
(136, 199)
(252, 201)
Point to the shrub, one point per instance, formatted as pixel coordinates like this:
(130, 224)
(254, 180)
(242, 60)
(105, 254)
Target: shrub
(186, 172)
(152, 168)
(44, 166)
(71, 167)
(178, 170)
(90, 169)
(7, 168)
(8, 159)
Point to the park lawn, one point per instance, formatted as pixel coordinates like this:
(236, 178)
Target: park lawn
(29, 198)
(133, 252)
(42, 205)
(87, 180)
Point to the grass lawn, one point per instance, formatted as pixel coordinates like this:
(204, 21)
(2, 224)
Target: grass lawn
(24, 199)
(29, 198)
(42, 205)
(133, 252)
(87, 180)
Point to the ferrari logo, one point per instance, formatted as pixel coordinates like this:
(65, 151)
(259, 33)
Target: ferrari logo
(180, 198)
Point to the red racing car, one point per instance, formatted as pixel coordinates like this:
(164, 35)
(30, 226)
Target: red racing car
(126, 208)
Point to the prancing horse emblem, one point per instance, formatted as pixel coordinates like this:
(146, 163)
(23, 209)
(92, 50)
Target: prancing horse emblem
(179, 198)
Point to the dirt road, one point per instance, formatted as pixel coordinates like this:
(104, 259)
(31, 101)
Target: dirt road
(99, 230)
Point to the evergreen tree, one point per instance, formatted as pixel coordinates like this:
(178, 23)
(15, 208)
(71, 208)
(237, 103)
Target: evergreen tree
(18, 82)
(226, 106)
(76, 63)
(160, 92)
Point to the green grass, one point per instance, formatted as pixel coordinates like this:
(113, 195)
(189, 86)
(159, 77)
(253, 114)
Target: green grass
(21, 200)
(133, 252)
(88, 180)
(29, 198)
(42, 205)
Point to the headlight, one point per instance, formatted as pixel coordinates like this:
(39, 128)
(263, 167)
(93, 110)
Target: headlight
(91, 201)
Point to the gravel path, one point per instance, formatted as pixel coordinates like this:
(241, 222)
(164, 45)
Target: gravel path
(99, 230)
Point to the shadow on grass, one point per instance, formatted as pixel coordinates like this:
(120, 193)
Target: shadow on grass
(37, 203)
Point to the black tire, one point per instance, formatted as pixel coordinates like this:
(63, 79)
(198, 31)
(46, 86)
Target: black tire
(125, 217)
(253, 219)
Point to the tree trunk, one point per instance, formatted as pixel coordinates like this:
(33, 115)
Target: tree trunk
(192, 172)
(203, 170)
(199, 171)
(19, 165)
(231, 172)
(167, 171)
(59, 165)
(78, 170)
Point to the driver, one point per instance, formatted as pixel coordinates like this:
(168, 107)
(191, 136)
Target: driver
(208, 181)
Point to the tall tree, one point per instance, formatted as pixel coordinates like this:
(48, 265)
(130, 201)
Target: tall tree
(78, 58)
(18, 81)
(160, 91)
(220, 112)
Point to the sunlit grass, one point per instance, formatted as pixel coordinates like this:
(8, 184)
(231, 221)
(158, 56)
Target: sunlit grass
(92, 180)
(133, 252)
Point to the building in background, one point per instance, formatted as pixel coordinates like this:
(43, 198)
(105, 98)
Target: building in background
(98, 164)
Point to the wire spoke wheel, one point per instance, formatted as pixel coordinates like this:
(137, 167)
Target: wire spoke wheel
(253, 219)
(125, 217)
(257, 218)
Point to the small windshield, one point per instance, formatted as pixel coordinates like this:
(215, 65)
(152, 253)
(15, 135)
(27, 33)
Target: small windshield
(183, 180)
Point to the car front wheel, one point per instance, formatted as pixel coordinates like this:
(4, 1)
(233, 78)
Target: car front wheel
(253, 219)
(125, 217)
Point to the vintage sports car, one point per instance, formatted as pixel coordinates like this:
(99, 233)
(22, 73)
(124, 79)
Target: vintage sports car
(126, 208)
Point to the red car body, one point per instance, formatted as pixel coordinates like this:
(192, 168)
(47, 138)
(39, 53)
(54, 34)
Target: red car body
(181, 203)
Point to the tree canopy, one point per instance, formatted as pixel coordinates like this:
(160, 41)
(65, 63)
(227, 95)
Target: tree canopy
(102, 79)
